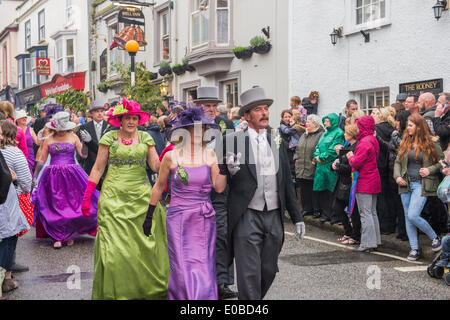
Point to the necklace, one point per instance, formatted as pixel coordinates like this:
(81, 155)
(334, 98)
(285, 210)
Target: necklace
(127, 142)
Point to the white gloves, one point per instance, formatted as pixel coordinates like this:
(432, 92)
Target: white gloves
(300, 230)
(233, 164)
(85, 136)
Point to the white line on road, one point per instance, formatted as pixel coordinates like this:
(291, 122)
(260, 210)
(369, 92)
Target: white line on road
(411, 269)
(354, 249)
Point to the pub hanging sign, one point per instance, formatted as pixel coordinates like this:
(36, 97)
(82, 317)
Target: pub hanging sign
(435, 86)
(130, 15)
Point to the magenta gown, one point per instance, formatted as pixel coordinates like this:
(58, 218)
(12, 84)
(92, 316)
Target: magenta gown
(58, 197)
(191, 237)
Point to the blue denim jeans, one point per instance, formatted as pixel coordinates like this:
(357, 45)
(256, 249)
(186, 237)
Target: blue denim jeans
(413, 203)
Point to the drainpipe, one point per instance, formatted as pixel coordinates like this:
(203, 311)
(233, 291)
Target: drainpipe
(90, 50)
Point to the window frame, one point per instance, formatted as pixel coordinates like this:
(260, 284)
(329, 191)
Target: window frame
(351, 18)
(164, 37)
(216, 27)
(27, 29)
(364, 103)
(28, 76)
(69, 12)
(64, 56)
(41, 26)
(191, 31)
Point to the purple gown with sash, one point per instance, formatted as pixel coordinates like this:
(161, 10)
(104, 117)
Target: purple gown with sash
(58, 197)
(191, 236)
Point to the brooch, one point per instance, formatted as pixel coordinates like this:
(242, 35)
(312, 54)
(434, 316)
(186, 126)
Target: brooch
(182, 173)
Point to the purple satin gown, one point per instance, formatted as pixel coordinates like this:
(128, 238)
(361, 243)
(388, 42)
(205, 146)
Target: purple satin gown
(30, 149)
(58, 197)
(191, 237)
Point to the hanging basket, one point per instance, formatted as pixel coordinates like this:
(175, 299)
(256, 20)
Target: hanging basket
(189, 67)
(165, 71)
(263, 49)
(153, 76)
(179, 70)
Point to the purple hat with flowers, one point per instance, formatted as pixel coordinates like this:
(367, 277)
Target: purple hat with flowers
(190, 117)
(126, 107)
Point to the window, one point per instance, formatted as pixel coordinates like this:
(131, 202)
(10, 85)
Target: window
(69, 12)
(231, 92)
(369, 100)
(165, 36)
(27, 34)
(222, 21)
(5, 65)
(59, 56)
(199, 22)
(114, 53)
(20, 73)
(370, 10)
(70, 55)
(28, 72)
(41, 24)
(65, 55)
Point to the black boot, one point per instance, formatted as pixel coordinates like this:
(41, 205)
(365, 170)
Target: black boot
(226, 293)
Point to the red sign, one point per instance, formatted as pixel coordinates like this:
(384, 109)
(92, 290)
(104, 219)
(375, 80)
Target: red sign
(60, 83)
(43, 66)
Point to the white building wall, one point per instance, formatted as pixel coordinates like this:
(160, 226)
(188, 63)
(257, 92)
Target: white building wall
(413, 47)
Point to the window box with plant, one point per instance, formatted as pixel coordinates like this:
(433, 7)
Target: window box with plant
(260, 45)
(165, 69)
(178, 69)
(243, 52)
(153, 76)
(104, 86)
(187, 66)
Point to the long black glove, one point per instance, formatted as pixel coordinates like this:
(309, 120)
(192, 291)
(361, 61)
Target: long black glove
(147, 226)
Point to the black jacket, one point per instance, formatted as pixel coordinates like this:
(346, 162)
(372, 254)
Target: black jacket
(384, 131)
(229, 124)
(154, 131)
(243, 184)
(344, 173)
(92, 146)
(442, 129)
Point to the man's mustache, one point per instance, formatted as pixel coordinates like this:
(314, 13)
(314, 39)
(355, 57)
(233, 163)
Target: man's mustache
(264, 118)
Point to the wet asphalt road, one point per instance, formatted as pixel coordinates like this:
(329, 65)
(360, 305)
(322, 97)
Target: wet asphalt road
(309, 269)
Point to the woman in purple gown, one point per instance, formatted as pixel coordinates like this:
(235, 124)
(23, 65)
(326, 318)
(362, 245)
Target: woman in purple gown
(58, 197)
(191, 223)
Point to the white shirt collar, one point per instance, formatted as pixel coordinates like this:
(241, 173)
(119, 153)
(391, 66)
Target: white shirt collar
(254, 134)
(98, 123)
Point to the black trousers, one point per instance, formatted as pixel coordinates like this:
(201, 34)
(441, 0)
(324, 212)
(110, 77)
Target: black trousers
(310, 198)
(224, 273)
(353, 229)
(325, 205)
(387, 215)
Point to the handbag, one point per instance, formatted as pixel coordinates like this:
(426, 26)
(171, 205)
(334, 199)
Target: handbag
(342, 190)
(5, 179)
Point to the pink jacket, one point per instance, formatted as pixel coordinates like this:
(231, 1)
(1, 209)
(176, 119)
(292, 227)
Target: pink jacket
(364, 161)
(21, 139)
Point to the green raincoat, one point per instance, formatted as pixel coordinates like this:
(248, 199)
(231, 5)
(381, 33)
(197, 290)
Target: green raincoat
(325, 178)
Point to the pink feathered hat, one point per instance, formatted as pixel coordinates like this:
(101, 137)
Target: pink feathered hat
(126, 107)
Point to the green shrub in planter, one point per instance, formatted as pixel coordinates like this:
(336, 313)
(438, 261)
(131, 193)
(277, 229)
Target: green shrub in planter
(104, 86)
(164, 68)
(187, 66)
(243, 52)
(260, 45)
(178, 69)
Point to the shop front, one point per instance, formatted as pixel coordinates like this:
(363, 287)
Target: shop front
(435, 86)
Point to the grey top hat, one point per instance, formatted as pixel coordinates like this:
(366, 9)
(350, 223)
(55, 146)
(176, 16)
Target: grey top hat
(61, 122)
(207, 94)
(402, 96)
(94, 105)
(253, 97)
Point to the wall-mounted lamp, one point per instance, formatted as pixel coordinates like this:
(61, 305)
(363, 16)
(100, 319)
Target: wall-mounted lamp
(440, 6)
(337, 33)
(366, 36)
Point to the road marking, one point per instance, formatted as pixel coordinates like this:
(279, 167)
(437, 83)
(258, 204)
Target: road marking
(354, 249)
(411, 269)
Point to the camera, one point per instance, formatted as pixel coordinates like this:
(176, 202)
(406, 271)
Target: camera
(439, 268)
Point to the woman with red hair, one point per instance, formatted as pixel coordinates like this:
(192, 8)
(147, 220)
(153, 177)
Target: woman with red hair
(416, 172)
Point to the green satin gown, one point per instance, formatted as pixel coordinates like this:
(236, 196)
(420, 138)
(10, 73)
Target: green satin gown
(127, 263)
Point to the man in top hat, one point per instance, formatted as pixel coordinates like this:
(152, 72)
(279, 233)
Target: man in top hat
(91, 133)
(401, 98)
(260, 191)
(208, 97)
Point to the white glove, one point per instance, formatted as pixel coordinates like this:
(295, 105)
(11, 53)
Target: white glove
(85, 136)
(300, 230)
(233, 164)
